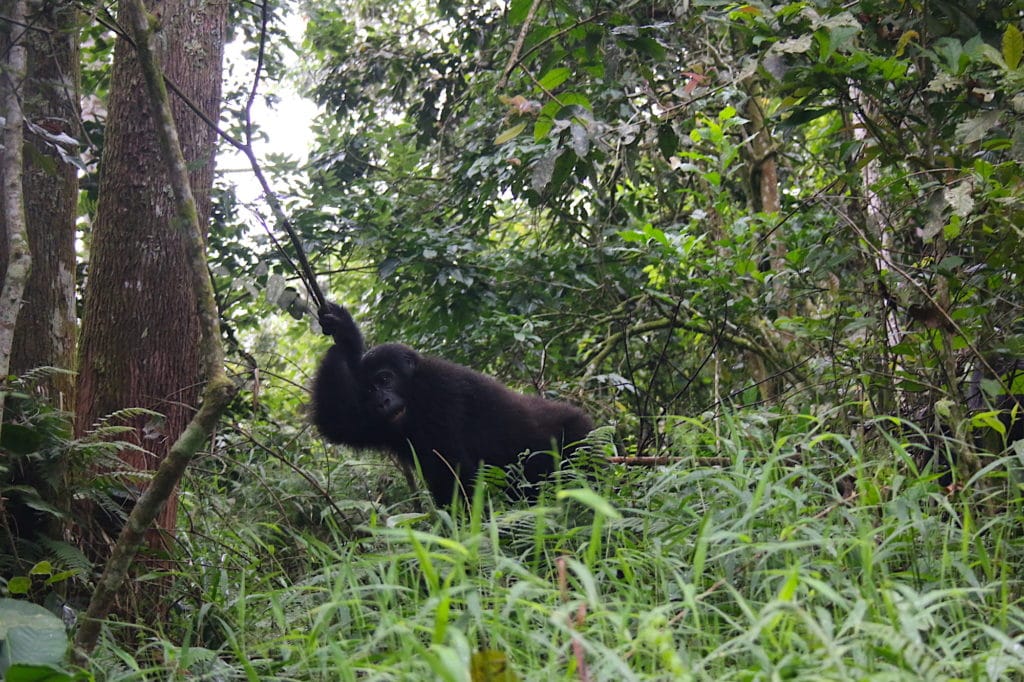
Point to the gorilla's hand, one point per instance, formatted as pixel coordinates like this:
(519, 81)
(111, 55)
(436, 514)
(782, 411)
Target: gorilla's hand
(333, 318)
(337, 323)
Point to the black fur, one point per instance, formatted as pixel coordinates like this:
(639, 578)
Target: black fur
(449, 417)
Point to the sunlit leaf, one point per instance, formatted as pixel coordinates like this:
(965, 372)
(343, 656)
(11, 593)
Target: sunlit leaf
(19, 584)
(905, 38)
(491, 665)
(1013, 46)
(42, 568)
(990, 420)
(510, 133)
(542, 127)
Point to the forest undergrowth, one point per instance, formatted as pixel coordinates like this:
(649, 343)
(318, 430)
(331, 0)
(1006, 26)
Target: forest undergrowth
(793, 553)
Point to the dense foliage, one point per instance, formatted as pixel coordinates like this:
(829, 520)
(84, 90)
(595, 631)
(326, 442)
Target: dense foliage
(780, 244)
(568, 187)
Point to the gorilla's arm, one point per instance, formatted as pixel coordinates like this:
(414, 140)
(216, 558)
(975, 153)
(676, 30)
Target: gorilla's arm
(338, 402)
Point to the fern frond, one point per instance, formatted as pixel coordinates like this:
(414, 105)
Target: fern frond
(67, 555)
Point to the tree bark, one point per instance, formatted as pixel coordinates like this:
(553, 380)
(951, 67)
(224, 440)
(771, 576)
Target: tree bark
(19, 259)
(45, 330)
(763, 177)
(141, 323)
(219, 389)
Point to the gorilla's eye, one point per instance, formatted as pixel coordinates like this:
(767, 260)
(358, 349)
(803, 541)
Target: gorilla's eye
(385, 379)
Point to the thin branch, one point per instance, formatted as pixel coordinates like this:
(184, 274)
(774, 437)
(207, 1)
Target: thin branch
(260, 56)
(516, 58)
(305, 271)
(513, 58)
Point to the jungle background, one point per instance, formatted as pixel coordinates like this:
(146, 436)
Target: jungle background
(774, 249)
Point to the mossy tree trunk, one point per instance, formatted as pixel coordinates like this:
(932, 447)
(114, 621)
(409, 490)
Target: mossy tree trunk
(141, 327)
(45, 331)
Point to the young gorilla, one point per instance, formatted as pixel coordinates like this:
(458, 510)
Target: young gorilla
(449, 417)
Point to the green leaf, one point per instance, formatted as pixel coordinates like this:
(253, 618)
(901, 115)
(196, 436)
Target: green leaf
(825, 48)
(802, 115)
(648, 47)
(950, 51)
(29, 634)
(545, 120)
(518, 10)
(491, 665)
(591, 499)
(953, 229)
(62, 576)
(20, 440)
(571, 99)
(553, 78)
(19, 584)
(510, 133)
(563, 167)
(668, 142)
(651, 232)
(990, 420)
(1013, 47)
(38, 673)
(42, 568)
(790, 585)
(542, 127)
(745, 266)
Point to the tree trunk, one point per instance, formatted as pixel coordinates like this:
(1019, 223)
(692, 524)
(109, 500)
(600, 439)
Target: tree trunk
(763, 180)
(876, 225)
(45, 331)
(140, 330)
(219, 390)
(18, 259)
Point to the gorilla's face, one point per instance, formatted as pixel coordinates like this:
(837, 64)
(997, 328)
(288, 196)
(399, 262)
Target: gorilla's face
(387, 375)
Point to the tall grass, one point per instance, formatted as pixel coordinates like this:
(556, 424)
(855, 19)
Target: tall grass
(754, 568)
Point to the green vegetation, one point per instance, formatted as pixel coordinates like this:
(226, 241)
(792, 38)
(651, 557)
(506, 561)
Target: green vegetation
(777, 246)
(754, 569)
